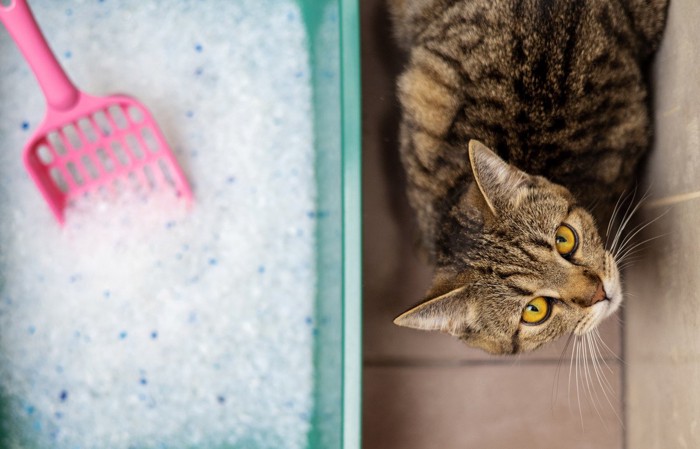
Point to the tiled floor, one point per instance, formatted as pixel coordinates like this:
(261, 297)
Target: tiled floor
(424, 390)
(663, 313)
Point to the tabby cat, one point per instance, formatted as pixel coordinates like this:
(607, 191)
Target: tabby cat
(557, 91)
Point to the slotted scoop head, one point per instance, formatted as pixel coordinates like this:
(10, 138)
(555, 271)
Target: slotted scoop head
(86, 143)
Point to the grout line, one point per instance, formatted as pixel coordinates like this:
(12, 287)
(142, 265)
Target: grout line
(668, 112)
(446, 363)
(673, 199)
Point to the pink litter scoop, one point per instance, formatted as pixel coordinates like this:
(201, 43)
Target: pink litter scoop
(86, 143)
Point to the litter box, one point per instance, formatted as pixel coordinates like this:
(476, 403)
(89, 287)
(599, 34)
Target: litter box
(333, 36)
(338, 362)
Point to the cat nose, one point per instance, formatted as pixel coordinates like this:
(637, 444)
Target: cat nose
(598, 296)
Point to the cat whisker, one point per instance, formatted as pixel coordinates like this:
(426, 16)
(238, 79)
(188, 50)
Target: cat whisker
(599, 358)
(555, 387)
(639, 228)
(607, 348)
(602, 379)
(598, 341)
(578, 394)
(616, 397)
(628, 263)
(587, 375)
(636, 246)
(571, 364)
(629, 214)
(629, 200)
(590, 376)
(616, 210)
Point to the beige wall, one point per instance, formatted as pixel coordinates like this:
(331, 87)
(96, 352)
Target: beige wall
(662, 337)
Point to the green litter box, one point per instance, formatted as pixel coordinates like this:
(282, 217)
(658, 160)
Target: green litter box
(333, 31)
(336, 422)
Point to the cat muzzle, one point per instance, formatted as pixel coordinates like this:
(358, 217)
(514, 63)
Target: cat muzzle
(598, 296)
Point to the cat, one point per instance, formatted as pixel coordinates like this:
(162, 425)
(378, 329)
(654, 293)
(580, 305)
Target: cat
(518, 116)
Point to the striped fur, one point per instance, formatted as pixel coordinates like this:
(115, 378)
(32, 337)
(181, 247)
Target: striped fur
(557, 89)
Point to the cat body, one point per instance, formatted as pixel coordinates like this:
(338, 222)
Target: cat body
(557, 93)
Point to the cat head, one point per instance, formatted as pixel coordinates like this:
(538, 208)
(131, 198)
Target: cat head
(522, 264)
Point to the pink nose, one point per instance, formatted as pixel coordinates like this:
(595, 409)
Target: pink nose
(599, 295)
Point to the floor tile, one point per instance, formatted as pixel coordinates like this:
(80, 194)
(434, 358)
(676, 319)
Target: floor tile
(674, 162)
(662, 334)
(485, 407)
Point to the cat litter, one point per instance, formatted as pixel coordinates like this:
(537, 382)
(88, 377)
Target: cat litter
(142, 323)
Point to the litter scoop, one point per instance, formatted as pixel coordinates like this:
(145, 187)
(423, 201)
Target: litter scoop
(87, 143)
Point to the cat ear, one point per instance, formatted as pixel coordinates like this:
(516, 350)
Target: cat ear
(498, 181)
(448, 312)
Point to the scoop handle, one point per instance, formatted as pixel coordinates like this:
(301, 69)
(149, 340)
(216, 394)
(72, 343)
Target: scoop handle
(60, 93)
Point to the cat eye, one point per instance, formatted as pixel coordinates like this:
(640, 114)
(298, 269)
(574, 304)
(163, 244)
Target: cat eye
(537, 311)
(566, 240)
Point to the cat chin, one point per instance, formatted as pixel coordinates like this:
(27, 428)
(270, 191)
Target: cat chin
(614, 297)
(595, 315)
(613, 292)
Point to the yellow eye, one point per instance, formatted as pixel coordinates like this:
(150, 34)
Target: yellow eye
(536, 311)
(566, 240)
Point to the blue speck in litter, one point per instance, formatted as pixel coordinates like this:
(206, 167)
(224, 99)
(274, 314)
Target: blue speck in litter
(31, 330)
(198, 71)
(69, 12)
(213, 261)
(122, 335)
(106, 294)
(230, 179)
(170, 224)
(154, 335)
(198, 48)
(58, 415)
(291, 16)
(308, 320)
(74, 278)
(25, 125)
(189, 114)
(68, 54)
(143, 381)
(63, 396)
(30, 410)
(221, 399)
(311, 214)
(261, 269)
(298, 74)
